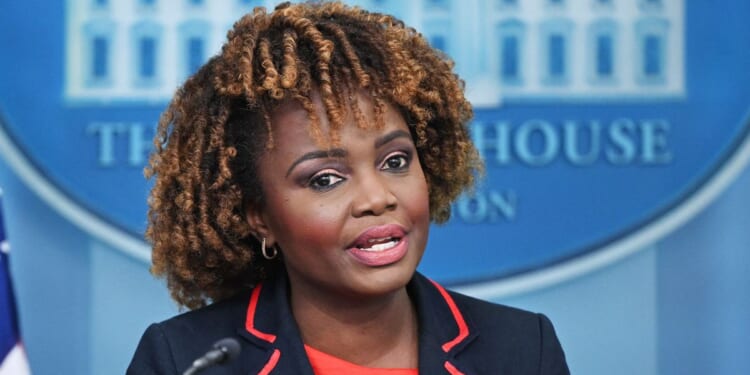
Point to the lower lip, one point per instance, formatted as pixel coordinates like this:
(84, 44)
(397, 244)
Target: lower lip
(383, 257)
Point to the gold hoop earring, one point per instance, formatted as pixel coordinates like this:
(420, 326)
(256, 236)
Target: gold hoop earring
(264, 250)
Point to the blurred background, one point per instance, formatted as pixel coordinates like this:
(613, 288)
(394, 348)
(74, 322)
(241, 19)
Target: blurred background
(615, 134)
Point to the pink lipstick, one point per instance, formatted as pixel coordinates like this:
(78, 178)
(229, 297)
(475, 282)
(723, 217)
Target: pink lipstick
(380, 246)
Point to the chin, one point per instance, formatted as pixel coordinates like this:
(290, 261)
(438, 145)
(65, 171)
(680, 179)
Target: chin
(386, 280)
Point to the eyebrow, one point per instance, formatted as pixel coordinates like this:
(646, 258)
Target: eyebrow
(391, 136)
(332, 153)
(341, 153)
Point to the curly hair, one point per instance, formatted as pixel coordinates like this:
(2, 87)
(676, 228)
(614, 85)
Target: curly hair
(217, 125)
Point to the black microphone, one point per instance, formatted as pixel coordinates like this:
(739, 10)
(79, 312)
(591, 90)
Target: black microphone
(223, 350)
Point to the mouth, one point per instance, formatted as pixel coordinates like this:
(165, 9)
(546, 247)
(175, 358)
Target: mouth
(380, 246)
(379, 238)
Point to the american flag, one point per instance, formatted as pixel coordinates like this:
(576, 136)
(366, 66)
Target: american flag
(12, 356)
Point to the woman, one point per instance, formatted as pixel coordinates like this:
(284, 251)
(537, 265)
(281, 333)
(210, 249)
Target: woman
(296, 177)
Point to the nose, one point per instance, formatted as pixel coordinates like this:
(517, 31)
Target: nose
(373, 196)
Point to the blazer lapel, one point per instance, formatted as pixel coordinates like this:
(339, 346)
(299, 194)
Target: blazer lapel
(443, 330)
(269, 325)
(277, 346)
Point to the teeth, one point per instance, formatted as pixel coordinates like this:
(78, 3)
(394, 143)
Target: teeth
(381, 246)
(374, 240)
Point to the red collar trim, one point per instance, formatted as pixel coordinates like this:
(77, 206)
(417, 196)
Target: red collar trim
(271, 364)
(463, 329)
(250, 318)
(452, 369)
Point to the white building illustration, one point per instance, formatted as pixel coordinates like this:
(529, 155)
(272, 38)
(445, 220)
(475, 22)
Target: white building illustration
(571, 50)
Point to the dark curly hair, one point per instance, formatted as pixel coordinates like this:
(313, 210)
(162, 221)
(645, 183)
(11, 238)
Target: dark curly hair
(218, 124)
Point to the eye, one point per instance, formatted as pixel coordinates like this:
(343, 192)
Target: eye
(398, 161)
(324, 181)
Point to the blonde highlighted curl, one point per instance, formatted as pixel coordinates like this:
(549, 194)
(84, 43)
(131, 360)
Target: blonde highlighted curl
(218, 124)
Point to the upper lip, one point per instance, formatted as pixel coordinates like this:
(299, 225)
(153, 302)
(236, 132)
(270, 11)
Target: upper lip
(378, 233)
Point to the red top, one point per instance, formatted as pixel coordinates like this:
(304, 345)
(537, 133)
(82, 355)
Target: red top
(326, 364)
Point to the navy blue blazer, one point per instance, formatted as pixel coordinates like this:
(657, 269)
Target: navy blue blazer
(457, 335)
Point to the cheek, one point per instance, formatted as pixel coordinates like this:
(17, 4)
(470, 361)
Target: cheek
(301, 220)
(416, 199)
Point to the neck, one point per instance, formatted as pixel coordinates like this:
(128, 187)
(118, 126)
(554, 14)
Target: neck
(376, 331)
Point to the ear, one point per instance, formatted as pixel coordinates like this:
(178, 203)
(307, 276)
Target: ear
(258, 222)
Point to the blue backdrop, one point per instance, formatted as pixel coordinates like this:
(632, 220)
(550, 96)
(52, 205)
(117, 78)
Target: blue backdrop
(615, 135)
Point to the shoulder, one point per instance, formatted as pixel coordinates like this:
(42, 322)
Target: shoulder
(220, 316)
(515, 338)
(173, 344)
(484, 315)
(488, 315)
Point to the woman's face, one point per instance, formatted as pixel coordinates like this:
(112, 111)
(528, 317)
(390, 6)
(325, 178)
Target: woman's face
(352, 220)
